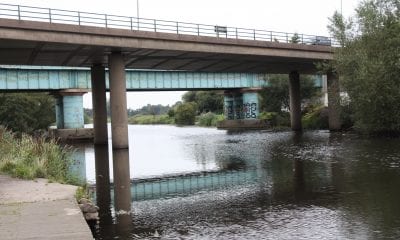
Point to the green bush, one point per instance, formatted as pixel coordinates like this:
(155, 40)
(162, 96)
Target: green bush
(28, 158)
(316, 118)
(151, 119)
(185, 113)
(26, 112)
(209, 119)
(276, 119)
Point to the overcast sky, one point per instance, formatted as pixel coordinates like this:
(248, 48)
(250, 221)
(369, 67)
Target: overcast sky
(302, 16)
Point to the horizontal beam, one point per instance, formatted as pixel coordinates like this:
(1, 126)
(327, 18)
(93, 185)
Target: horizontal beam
(49, 79)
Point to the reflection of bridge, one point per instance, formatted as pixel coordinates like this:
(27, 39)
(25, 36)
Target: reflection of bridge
(170, 186)
(184, 184)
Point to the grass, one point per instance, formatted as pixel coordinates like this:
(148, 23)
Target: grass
(209, 119)
(151, 119)
(28, 158)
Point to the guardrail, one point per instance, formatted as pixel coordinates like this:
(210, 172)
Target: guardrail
(49, 15)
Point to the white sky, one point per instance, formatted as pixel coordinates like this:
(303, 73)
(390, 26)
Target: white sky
(302, 16)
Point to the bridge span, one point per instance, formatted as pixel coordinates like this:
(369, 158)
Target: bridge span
(20, 78)
(53, 37)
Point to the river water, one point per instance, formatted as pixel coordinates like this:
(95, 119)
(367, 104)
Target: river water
(203, 183)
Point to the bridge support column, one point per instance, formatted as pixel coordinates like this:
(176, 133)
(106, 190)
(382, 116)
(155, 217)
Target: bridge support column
(295, 101)
(119, 129)
(72, 108)
(238, 106)
(98, 79)
(59, 112)
(333, 101)
(228, 106)
(250, 104)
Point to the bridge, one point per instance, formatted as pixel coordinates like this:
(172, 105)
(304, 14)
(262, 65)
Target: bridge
(54, 37)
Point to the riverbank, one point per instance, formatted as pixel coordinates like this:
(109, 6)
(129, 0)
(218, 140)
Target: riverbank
(36, 209)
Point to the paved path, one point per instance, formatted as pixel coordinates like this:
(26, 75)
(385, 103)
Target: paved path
(39, 210)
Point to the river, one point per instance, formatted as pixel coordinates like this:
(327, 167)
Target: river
(203, 183)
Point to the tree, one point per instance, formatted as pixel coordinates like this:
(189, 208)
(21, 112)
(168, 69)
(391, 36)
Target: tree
(368, 63)
(295, 38)
(275, 97)
(206, 101)
(185, 113)
(23, 112)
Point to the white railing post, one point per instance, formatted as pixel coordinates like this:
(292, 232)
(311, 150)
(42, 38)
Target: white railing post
(131, 24)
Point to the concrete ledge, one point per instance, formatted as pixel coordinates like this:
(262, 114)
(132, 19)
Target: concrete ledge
(40, 210)
(75, 134)
(250, 124)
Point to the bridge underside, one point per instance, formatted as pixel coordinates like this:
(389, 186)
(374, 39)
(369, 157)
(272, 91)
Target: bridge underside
(51, 44)
(14, 52)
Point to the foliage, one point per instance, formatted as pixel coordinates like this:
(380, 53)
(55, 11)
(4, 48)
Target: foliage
(82, 192)
(210, 119)
(28, 158)
(185, 113)
(151, 119)
(23, 112)
(149, 110)
(87, 116)
(206, 101)
(369, 64)
(276, 119)
(295, 38)
(316, 118)
(275, 97)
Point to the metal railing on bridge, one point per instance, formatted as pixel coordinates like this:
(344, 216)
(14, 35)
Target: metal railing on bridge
(49, 15)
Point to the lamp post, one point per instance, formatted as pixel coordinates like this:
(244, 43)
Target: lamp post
(341, 7)
(137, 13)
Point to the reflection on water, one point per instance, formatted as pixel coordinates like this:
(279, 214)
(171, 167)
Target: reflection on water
(257, 185)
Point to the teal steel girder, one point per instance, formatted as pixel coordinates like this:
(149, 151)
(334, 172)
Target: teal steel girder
(48, 79)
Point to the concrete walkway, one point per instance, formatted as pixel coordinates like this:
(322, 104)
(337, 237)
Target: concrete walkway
(39, 210)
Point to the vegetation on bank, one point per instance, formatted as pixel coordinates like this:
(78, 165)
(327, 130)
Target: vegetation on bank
(368, 65)
(27, 157)
(26, 112)
(209, 119)
(151, 119)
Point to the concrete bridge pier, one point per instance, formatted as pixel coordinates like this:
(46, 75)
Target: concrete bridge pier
(250, 104)
(333, 101)
(119, 130)
(69, 116)
(72, 108)
(228, 106)
(59, 112)
(237, 105)
(98, 80)
(295, 101)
